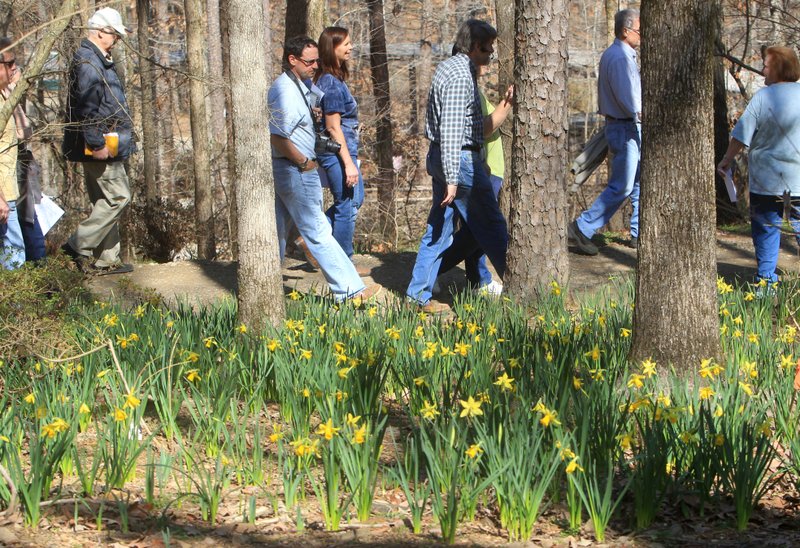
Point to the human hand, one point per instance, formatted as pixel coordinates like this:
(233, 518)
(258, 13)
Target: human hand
(509, 96)
(449, 196)
(4, 210)
(724, 165)
(351, 174)
(102, 154)
(317, 114)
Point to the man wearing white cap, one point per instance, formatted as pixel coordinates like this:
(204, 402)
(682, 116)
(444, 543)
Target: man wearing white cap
(99, 135)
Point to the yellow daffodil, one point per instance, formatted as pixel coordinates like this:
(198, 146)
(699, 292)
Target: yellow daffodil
(555, 289)
(419, 381)
(718, 412)
(577, 383)
(624, 332)
(505, 382)
(273, 344)
(294, 295)
(193, 375)
(342, 373)
(120, 415)
(360, 435)
(327, 430)
(625, 441)
(474, 450)
(131, 401)
(305, 354)
(471, 408)
(84, 409)
(277, 433)
(242, 328)
(462, 349)
(573, 466)
(352, 420)
(635, 381)
(30, 398)
(393, 333)
(593, 354)
(429, 410)
(648, 368)
(706, 392)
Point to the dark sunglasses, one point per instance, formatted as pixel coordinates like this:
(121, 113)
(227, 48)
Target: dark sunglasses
(308, 62)
(10, 62)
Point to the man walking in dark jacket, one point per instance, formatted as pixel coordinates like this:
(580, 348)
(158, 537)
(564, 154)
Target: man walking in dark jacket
(99, 135)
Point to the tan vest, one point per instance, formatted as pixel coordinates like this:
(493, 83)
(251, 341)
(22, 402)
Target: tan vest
(8, 159)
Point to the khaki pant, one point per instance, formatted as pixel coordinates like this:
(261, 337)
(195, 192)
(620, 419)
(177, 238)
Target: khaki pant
(109, 192)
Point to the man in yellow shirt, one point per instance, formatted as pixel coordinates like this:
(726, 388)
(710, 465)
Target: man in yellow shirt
(12, 254)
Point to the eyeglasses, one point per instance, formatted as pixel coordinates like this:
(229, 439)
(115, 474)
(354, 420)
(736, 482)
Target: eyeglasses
(637, 31)
(9, 63)
(112, 33)
(308, 62)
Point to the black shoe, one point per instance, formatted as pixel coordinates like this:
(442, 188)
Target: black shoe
(584, 244)
(117, 268)
(69, 252)
(633, 243)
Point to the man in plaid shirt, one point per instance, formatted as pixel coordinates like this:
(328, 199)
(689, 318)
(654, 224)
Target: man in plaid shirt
(462, 189)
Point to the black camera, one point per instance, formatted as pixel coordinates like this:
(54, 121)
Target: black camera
(324, 144)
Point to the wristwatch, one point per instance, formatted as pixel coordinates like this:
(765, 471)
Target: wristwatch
(304, 165)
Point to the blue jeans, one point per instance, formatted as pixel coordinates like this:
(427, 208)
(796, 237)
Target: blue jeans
(33, 238)
(346, 201)
(12, 254)
(625, 149)
(482, 224)
(298, 199)
(766, 218)
(478, 274)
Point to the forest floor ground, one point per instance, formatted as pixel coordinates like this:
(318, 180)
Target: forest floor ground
(775, 522)
(205, 282)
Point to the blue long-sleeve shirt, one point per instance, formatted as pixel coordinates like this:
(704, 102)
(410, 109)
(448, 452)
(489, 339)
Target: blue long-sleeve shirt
(619, 87)
(454, 117)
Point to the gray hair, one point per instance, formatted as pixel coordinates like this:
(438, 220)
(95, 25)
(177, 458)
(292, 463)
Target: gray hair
(624, 19)
(471, 33)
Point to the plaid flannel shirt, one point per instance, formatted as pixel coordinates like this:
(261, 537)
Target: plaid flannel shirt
(454, 117)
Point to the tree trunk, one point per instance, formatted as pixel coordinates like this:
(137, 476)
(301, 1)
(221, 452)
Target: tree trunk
(423, 84)
(261, 300)
(203, 196)
(505, 62)
(149, 127)
(230, 146)
(305, 17)
(538, 218)
(379, 69)
(612, 7)
(676, 319)
(217, 93)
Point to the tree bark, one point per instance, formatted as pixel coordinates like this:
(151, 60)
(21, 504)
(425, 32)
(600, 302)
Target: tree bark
(379, 69)
(261, 300)
(538, 217)
(230, 145)
(305, 17)
(504, 48)
(612, 7)
(423, 73)
(203, 196)
(217, 92)
(676, 319)
(149, 127)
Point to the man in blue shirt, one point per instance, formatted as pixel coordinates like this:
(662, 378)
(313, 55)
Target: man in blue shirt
(298, 194)
(619, 94)
(461, 185)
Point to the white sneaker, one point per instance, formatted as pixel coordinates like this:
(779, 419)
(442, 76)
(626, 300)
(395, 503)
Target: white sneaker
(492, 289)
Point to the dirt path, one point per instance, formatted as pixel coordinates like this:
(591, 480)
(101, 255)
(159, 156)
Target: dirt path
(205, 282)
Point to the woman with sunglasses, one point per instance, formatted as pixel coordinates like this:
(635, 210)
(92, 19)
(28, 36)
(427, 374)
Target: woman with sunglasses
(340, 116)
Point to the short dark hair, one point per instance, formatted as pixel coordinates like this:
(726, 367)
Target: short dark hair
(785, 65)
(295, 46)
(624, 19)
(5, 42)
(473, 32)
(329, 40)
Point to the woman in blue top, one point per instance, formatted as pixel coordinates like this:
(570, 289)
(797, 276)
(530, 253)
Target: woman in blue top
(340, 112)
(770, 128)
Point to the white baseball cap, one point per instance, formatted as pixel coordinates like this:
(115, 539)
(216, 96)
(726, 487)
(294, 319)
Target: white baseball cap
(108, 18)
